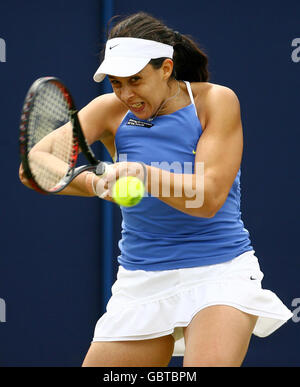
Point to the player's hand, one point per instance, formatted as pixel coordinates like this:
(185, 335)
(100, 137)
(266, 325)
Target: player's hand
(103, 184)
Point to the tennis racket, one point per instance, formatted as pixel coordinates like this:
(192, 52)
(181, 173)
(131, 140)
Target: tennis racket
(49, 148)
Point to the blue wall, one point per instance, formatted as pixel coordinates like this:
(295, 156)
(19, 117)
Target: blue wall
(54, 292)
(53, 289)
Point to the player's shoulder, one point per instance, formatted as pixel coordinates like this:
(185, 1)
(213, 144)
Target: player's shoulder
(101, 116)
(211, 98)
(106, 111)
(212, 92)
(110, 103)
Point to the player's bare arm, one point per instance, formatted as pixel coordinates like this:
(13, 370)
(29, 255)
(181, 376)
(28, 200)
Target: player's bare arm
(95, 125)
(219, 151)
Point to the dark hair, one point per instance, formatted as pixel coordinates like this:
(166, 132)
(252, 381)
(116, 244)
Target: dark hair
(190, 62)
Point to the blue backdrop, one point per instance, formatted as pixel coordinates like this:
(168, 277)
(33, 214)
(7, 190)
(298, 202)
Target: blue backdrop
(53, 292)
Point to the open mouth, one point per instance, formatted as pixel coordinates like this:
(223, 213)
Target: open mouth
(137, 107)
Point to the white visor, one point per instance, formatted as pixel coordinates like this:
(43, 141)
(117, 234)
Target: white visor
(127, 56)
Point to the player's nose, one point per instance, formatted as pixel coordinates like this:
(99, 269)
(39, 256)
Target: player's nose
(127, 94)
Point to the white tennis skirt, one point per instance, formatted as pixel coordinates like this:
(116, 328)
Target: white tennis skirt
(149, 304)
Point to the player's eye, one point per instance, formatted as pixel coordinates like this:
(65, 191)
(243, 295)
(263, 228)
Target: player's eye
(134, 79)
(114, 82)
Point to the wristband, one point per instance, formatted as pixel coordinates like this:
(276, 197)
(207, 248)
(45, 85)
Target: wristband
(93, 187)
(93, 178)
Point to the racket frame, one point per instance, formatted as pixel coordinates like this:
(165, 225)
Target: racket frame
(79, 140)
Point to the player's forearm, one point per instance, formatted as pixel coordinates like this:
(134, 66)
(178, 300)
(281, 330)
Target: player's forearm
(77, 187)
(185, 192)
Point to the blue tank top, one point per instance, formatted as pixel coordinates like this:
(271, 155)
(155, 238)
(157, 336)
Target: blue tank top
(156, 236)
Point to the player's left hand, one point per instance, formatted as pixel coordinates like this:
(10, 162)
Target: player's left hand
(103, 184)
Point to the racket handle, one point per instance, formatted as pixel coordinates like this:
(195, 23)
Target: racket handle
(70, 176)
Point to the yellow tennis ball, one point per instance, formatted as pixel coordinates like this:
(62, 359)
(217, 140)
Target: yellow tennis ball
(128, 191)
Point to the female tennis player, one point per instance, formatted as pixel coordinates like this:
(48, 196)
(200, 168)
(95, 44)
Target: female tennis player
(188, 271)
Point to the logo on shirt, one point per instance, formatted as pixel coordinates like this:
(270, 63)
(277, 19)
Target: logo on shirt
(143, 124)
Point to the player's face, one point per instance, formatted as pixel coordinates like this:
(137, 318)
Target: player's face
(144, 92)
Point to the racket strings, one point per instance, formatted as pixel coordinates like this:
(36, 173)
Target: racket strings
(54, 154)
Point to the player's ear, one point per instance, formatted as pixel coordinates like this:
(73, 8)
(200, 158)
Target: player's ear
(167, 68)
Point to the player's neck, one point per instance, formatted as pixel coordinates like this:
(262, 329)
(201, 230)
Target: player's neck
(168, 104)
